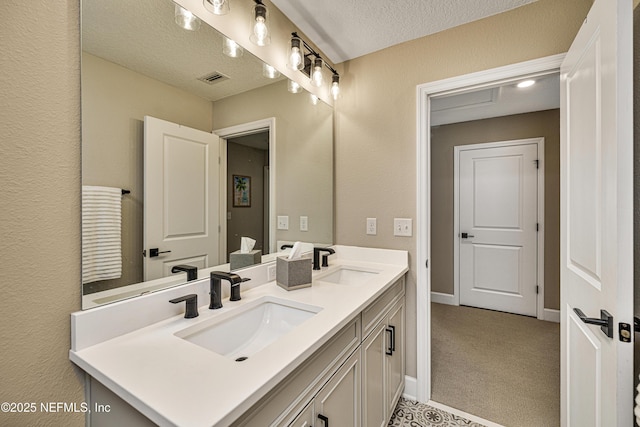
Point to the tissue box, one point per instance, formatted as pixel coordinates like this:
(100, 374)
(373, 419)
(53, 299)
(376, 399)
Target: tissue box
(240, 260)
(293, 274)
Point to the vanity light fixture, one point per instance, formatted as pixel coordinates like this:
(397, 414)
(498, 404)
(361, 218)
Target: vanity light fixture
(294, 87)
(304, 58)
(260, 30)
(231, 48)
(269, 71)
(186, 19)
(314, 99)
(218, 7)
(526, 83)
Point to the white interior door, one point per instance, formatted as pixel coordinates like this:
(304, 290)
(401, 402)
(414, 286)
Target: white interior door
(181, 196)
(596, 248)
(498, 215)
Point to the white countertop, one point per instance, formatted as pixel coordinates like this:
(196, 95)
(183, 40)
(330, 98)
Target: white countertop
(175, 382)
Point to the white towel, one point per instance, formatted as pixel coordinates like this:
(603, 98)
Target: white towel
(101, 233)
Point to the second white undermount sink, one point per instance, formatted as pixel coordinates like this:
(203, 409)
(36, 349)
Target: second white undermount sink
(241, 333)
(348, 276)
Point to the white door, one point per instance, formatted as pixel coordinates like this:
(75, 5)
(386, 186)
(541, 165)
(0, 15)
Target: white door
(181, 197)
(596, 249)
(498, 216)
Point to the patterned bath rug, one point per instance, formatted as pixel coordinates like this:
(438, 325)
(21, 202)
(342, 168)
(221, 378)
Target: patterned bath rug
(409, 413)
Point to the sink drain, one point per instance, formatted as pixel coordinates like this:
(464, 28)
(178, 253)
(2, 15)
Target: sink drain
(241, 359)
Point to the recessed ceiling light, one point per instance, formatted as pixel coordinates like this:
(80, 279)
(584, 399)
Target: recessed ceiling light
(526, 83)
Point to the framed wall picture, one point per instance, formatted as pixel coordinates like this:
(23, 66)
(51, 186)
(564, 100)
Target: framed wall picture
(241, 191)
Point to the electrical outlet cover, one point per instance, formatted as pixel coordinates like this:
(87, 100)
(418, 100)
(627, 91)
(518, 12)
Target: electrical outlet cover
(283, 222)
(372, 228)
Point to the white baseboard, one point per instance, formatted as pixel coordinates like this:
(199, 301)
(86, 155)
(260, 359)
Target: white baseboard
(551, 315)
(441, 298)
(410, 388)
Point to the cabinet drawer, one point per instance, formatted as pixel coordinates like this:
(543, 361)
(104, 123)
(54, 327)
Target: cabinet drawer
(376, 311)
(283, 402)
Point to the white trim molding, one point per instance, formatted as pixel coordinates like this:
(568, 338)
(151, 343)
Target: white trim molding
(442, 298)
(424, 92)
(551, 315)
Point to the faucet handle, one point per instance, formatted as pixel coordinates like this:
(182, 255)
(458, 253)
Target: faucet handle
(191, 309)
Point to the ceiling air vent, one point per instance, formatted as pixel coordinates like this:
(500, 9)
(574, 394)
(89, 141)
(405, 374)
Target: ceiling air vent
(213, 78)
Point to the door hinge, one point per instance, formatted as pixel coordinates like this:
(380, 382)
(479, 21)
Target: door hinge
(537, 226)
(537, 289)
(427, 264)
(537, 162)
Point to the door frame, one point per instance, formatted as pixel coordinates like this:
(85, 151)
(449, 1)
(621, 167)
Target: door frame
(268, 124)
(424, 93)
(539, 141)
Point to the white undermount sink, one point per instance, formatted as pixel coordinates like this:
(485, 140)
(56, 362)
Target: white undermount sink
(244, 331)
(348, 276)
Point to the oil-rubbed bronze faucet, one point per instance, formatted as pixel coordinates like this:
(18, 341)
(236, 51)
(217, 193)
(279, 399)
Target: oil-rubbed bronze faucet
(192, 271)
(325, 258)
(216, 287)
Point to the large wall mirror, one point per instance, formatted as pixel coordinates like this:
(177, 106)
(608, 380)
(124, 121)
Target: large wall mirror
(144, 76)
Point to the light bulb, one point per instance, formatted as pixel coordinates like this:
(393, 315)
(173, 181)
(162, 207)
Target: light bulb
(316, 73)
(231, 48)
(526, 83)
(260, 35)
(269, 72)
(335, 86)
(314, 99)
(294, 87)
(296, 57)
(219, 7)
(186, 19)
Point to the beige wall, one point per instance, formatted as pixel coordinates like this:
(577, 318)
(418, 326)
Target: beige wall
(304, 154)
(40, 213)
(636, 188)
(443, 140)
(114, 103)
(376, 117)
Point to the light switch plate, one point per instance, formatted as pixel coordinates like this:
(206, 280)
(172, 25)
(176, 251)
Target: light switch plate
(283, 222)
(403, 227)
(372, 228)
(304, 223)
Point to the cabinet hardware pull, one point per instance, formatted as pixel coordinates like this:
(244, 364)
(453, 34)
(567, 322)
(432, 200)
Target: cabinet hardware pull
(325, 419)
(389, 350)
(393, 338)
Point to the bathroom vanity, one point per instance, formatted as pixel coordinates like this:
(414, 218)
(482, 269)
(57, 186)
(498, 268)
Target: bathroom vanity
(330, 354)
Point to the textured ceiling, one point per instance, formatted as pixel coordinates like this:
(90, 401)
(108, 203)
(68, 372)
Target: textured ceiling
(347, 29)
(142, 36)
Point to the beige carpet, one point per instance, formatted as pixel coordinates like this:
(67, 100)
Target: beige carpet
(501, 367)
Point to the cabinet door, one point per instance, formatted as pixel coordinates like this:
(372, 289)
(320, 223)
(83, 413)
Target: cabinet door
(374, 396)
(338, 402)
(395, 361)
(305, 419)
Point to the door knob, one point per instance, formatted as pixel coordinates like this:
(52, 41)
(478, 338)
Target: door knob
(466, 235)
(605, 321)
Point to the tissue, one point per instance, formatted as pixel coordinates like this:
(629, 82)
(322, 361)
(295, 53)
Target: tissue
(296, 251)
(246, 245)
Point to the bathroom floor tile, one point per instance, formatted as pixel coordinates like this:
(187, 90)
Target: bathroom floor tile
(409, 413)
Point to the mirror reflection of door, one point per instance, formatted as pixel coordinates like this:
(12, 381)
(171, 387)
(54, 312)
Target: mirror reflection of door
(248, 191)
